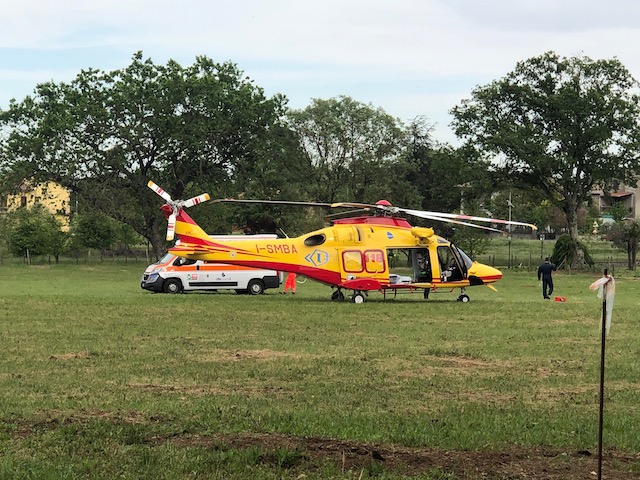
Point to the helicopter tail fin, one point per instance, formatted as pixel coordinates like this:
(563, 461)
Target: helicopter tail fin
(189, 233)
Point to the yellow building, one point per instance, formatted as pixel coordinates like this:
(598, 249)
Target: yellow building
(53, 196)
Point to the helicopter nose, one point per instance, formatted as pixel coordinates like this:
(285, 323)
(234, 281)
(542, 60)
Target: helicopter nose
(480, 274)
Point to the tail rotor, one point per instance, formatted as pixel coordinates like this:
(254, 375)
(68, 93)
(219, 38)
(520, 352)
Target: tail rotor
(176, 206)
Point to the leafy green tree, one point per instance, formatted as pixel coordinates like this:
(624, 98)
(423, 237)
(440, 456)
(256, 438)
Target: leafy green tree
(353, 150)
(95, 230)
(444, 178)
(35, 232)
(106, 134)
(626, 235)
(560, 125)
(126, 239)
(472, 241)
(3, 237)
(618, 211)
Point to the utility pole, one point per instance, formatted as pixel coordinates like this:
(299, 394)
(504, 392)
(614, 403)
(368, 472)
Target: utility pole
(509, 228)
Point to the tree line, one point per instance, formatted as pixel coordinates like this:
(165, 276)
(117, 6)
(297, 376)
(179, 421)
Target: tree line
(549, 132)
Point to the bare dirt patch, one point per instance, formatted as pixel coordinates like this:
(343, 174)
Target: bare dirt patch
(312, 453)
(70, 356)
(517, 462)
(240, 355)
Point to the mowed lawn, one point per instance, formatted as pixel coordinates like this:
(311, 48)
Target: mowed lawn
(100, 379)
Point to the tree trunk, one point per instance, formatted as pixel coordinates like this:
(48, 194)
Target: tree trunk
(158, 245)
(577, 254)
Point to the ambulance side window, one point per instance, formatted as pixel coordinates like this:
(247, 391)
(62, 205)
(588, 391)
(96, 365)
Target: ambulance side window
(181, 262)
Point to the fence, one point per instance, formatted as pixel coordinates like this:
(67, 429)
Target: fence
(532, 261)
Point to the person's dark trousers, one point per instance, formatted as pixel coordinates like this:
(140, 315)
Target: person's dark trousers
(547, 285)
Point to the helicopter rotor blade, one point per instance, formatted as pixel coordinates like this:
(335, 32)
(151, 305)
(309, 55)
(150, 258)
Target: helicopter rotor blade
(458, 222)
(176, 206)
(195, 200)
(386, 207)
(367, 206)
(360, 211)
(160, 191)
(453, 216)
(171, 227)
(271, 202)
(352, 205)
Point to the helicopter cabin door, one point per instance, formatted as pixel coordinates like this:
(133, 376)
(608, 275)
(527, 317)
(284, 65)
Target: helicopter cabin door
(453, 268)
(421, 264)
(409, 265)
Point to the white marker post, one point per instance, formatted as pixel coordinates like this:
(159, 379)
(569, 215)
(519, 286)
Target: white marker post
(606, 289)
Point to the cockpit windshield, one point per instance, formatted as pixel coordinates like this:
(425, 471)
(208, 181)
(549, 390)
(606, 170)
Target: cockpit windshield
(462, 256)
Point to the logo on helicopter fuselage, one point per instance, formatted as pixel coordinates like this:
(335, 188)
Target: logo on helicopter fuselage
(317, 257)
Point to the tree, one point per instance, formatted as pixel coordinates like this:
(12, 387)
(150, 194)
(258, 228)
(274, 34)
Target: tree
(520, 204)
(106, 134)
(33, 232)
(352, 149)
(95, 231)
(561, 125)
(563, 252)
(618, 211)
(445, 178)
(626, 235)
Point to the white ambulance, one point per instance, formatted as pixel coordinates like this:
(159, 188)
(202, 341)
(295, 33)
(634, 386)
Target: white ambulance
(173, 274)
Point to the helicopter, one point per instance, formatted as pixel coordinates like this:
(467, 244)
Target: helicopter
(376, 250)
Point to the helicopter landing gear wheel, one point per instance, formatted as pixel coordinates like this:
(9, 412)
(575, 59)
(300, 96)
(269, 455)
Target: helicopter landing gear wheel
(464, 298)
(357, 297)
(337, 296)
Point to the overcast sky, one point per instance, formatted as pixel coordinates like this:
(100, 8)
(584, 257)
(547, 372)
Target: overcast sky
(409, 57)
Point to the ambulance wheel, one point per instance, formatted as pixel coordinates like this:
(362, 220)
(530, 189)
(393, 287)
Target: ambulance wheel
(256, 287)
(172, 285)
(464, 298)
(357, 298)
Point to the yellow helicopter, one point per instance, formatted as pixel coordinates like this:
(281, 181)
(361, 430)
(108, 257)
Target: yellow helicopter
(376, 252)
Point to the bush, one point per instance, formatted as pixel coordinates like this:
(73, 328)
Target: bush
(34, 231)
(562, 254)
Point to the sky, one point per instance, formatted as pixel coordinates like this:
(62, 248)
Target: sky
(409, 57)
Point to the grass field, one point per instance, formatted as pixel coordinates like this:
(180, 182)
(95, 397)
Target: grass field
(100, 379)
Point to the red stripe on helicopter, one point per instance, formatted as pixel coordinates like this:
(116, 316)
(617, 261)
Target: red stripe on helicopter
(325, 276)
(491, 278)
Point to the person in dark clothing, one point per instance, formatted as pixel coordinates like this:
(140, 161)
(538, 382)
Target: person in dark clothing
(544, 274)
